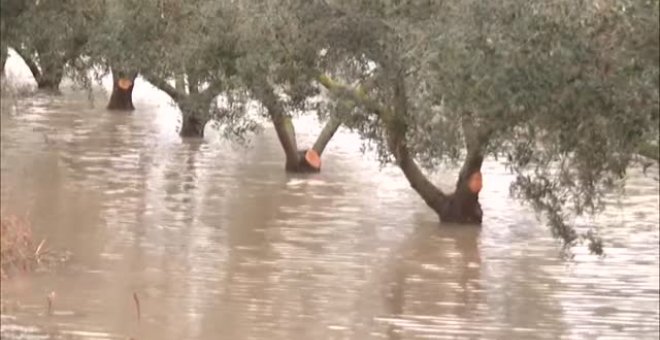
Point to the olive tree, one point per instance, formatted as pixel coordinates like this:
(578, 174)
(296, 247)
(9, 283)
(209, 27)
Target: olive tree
(278, 66)
(564, 92)
(187, 49)
(48, 35)
(10, 10)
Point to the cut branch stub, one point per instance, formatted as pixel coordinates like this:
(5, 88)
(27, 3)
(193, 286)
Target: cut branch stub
(313, 159)
(124, 83)
(475, 183)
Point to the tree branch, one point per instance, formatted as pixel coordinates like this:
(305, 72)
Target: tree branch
(163, 86)
(476, 138)
(326, 134)
(396, 142)
(282, 122)
(358, 95)
(32, 65)
(214, 89)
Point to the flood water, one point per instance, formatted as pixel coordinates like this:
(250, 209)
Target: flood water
(218, 242)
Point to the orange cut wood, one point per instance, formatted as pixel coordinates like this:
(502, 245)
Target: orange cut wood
(124, 83)
(475, 183)
(313, 159)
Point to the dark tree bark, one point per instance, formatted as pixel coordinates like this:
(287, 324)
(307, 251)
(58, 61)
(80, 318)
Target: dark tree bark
(192, 126)
(195, 107)
(195, 115)
(462, 206)
(296, 160)
(121, 98)
(48, 76)
(51, 76)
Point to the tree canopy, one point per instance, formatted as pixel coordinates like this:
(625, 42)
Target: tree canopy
(564, 92)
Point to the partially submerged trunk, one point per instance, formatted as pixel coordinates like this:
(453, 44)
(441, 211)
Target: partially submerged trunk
(195, 107)
(48, 75)
(299, 161)
(121, 98)
(192, 126)
(195, 115)
(462, 206)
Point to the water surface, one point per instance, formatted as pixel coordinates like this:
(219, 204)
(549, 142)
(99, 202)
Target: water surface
(218, 242)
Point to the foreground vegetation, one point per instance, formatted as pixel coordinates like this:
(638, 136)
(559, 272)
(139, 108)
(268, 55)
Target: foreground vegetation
(564, 92)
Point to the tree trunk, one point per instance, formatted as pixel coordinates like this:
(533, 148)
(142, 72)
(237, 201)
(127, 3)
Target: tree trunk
(50, 76)
(121, 98)
(460, 207)
(463, 205)
(284, 128)
(195, 113)
(192, 127)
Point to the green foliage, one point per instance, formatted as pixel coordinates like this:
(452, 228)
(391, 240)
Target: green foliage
(48, 32)
(566, 92)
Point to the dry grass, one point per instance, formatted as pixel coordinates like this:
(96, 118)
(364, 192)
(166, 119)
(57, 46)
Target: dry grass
(18, 250)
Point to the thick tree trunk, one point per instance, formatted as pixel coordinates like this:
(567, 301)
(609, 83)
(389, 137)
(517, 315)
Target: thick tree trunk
(299, 161)
(51, 76)
(195, 115)
(463, 205)
(192, 126)
(121, 98)
(460, 207)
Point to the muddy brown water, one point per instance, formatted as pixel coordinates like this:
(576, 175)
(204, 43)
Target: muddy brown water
(218, 242)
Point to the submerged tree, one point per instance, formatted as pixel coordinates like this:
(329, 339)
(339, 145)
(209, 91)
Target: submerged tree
(49, 34)
(194, 44)
(278, 66)
(111, 46)
(186, 49)
(565, 91)
(10, 10)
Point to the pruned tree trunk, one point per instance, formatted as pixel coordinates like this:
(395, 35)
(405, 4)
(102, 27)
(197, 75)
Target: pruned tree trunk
(463, 205)
(299, 161)
(460, 207)
(121, 98)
